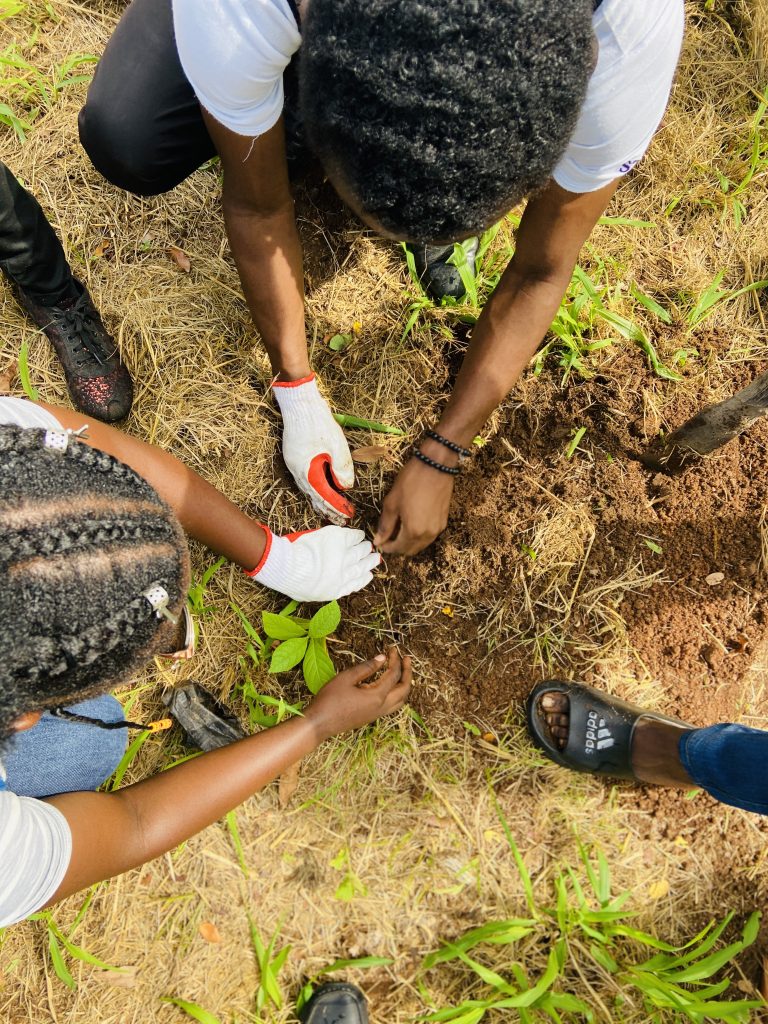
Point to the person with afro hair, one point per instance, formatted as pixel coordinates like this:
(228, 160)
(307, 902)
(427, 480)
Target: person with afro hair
(432, 119)
(94, 573)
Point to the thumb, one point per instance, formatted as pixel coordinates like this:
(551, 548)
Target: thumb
(387, 528)
(359, 673)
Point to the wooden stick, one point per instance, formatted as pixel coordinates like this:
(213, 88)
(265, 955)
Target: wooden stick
(711, 428)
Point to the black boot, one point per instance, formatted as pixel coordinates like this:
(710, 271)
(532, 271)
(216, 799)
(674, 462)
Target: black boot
(439, 278)
(98, 381)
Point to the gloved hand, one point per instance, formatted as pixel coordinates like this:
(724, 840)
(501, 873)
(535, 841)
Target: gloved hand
(316, 565)
(314, 448)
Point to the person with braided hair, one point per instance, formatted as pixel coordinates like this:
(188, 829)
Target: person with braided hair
(94, 573)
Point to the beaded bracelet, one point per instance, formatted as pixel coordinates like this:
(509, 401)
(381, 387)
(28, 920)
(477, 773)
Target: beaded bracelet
(463, 452)
(452, 470)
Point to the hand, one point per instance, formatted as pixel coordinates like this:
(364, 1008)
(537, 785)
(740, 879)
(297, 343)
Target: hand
(315, 449)
(415, 511)
(316, 565)
(352, 699)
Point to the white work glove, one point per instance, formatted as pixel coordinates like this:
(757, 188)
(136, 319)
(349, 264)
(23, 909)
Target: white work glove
(316, 565)
(315, 449)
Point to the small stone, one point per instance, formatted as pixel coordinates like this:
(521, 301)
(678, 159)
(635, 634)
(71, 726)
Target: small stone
(714, 578)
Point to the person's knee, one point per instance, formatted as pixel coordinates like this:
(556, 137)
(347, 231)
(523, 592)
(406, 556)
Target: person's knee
(121, 149)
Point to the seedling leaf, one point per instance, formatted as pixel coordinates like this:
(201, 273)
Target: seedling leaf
(281, 627)
(288, 654)
(325, 620)
(26, 383)
(318, 667)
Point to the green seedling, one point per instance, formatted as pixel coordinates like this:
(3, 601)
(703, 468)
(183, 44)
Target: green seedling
(304, 641)
(357, 423)
(586, 931)
(653, 546)
(574, 443)
(59, 944)
(350, 885)
(196, 594)
(714, 294)
(270, 963)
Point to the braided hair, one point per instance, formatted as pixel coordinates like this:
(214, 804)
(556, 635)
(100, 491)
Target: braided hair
(440, 115)
(82, 537)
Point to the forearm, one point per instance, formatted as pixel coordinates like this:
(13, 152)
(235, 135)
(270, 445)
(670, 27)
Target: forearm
(268, 255)
(507, 334)
(204, 513)
(113, 832)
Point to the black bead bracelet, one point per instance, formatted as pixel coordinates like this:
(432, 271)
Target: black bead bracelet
(451, 470)
(463, 452)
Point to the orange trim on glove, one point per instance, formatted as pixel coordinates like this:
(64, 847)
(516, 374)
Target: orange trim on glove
(317, 478)
(293, 383)
(265, 554)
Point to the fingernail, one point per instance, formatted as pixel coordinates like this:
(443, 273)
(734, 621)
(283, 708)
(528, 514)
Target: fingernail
(380, 657)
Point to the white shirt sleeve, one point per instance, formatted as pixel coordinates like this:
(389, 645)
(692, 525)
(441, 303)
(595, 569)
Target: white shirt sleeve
(20, 412)
(35, 850)
(234, 53)
(639, 46)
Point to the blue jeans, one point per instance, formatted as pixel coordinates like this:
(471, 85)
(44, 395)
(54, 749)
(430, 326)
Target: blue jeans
(57, 756)
(730, 762)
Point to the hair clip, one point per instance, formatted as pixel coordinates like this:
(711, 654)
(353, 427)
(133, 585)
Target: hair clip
(158, 598)
(58, 440)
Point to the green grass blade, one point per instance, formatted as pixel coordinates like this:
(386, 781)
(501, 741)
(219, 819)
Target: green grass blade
(26, 383)
(196, 1012)
(57, 960)
(237, 842)
(357, 423)
(361, 963)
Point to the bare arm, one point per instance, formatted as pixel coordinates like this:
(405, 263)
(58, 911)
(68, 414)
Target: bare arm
(114, 832)
(261, 225)
(203, 512)
(553, 229)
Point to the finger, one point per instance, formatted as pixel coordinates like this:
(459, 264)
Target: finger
(367, 561)
(391, 677)
(324, 484)
(389, 524)
(351, 537)
(404, 544)
(399, 693)
(355, 584)
(359, 673)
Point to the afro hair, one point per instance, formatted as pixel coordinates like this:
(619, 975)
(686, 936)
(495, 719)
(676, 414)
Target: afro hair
(440, 115)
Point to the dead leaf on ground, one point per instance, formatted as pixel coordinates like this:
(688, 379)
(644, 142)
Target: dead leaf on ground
(658, 889)
(8, 376)
(180, 258)
(209, 931)
(714, 578)
(372, 453)
(288, 784)
(124, 978)
(104, 248)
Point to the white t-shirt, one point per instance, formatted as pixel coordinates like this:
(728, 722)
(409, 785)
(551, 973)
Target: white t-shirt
(35, 840)
(234, 53)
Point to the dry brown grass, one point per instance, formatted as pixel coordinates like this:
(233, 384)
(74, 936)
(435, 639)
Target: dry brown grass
(413, 811)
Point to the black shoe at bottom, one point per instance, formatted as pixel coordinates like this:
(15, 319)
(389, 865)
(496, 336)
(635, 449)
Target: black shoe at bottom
(336, 1002)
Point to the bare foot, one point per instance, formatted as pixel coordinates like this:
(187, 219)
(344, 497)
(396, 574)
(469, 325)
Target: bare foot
(655, 745)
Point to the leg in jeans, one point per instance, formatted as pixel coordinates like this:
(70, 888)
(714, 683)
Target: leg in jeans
(141, 124)
(30, 253)
(56, 756)
(730, 762)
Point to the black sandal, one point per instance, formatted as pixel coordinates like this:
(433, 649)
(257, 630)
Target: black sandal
(335, 1002)
(600, 729)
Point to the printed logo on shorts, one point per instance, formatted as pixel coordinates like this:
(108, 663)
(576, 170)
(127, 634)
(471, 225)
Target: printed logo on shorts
(598, 735)
(627, 166)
